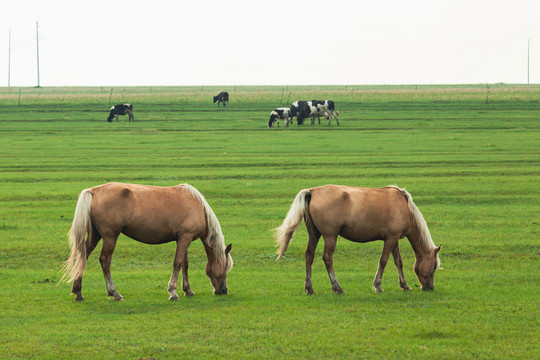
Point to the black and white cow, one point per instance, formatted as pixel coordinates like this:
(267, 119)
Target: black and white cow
(280, 114)
(295, 107)
(316, 108)
(223, 97)
(330, 109)
(311, 109)
(121, 109)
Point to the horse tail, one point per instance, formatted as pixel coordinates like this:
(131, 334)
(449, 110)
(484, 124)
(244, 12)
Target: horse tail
(298, 210)
(80, 231)
(214, 237)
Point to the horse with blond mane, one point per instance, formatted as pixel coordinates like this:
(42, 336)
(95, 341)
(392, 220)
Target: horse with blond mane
(361, 215)
(151, 215)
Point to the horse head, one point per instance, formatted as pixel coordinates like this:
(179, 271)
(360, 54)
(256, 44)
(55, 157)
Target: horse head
(217, 270)
(425, 267)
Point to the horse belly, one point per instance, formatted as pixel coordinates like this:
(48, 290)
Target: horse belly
(362, 233)
(375, 224)
(150, 233)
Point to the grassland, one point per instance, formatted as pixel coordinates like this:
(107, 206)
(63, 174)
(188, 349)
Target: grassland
(472, 167)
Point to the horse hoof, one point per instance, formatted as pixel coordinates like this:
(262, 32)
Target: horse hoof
(189, 294)
(174, 298)
(310, 292)
(406, 288)
(79, 298)
(338, 291)
(377, 290)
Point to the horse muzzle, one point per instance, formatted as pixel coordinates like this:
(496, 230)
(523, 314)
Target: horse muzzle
(221, 291)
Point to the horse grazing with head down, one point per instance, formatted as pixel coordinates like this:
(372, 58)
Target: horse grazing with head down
(151, 215)
(361, 215)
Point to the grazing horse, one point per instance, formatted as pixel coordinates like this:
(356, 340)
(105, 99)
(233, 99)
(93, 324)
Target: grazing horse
(121, 109)
(361, 215)
(222, 97)
(151, 215)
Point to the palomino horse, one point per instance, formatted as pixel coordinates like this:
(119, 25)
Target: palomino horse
(152, 215)
(361, 215)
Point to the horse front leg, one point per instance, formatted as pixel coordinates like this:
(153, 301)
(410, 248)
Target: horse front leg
(328, 258)
(105, 259)
(180, 262)
(399, 265)
(185, 281)
(388, 247)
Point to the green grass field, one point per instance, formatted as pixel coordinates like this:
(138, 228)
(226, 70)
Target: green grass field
(472, 167)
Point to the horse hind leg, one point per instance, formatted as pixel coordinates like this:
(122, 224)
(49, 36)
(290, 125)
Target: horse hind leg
(94, 239)
(313, 240)
(328, 258)
(109, 243)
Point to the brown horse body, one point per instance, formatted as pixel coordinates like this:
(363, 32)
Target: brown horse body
(361, 215)
(152, 215)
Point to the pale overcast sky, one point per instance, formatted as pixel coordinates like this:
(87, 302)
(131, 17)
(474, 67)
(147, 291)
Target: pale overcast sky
(276, 42)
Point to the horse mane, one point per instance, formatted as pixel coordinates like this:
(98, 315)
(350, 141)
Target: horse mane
(424, 236)
(214, 238)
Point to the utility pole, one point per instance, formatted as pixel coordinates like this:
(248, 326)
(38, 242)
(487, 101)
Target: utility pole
(528, 59)
(37, 52)
(9, 61)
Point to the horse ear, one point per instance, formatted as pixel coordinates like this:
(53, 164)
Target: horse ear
(436, 251)
(228, 249)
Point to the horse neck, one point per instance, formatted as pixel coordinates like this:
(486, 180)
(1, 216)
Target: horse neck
(213, 253)
(421, 245)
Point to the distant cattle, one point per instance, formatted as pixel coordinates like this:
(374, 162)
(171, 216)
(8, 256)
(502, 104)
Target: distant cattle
(330, 109)
(280, 114)
(314, 109)
(223, 97)
(295, 106)
(121, 109)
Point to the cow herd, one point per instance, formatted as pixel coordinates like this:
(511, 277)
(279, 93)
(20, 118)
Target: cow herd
(303, 110)
(299, 109)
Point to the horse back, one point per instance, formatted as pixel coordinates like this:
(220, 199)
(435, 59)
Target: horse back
(360, 214)
(150, 214)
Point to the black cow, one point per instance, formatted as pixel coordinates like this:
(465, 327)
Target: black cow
(121, 109)
(223, 97)
(280, 113)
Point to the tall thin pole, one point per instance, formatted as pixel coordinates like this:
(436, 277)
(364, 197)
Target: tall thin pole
(9, 61)
(37, 52)
(528, 59)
